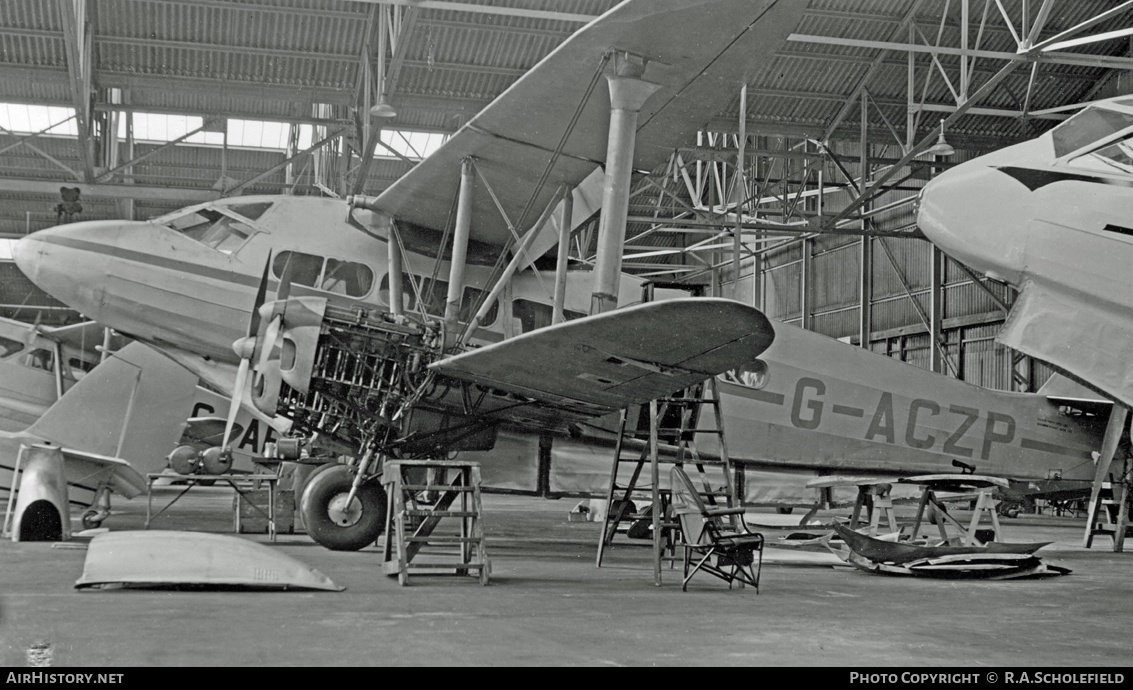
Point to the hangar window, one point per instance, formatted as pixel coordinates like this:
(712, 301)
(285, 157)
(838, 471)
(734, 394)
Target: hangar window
(753, 374)
(331, 275)
(434, 293)
(533, 315)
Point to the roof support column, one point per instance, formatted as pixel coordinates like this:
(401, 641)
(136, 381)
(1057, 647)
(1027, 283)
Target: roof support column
(936, 313)
(459, 248)
(628, 92)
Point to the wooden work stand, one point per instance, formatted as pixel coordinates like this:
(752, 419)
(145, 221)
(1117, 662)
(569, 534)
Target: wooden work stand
(422, 495)
(232, 480)
(970, 487)
(873, 497)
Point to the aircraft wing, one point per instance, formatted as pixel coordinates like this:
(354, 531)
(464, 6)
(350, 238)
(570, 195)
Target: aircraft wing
(595, 365)
(90, 468)
(699, 51)
(1081, 337)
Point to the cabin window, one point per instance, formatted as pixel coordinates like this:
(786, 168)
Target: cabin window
(534, 315)
(434, 293)
(347, 278)
(40, 358)
(305, 268)
(79, 367)
(330, 275)
(1087, 127)
(8, 346)
(753, 374)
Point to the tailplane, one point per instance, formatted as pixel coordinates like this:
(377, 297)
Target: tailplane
(133, 406)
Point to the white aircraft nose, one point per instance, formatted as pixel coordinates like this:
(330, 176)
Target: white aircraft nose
(978, 215)
(68, 261)
(25, 252)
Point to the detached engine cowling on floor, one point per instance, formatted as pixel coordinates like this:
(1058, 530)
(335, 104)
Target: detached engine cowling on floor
(368, 383)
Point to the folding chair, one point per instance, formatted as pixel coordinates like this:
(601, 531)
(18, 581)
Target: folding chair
(703, 532)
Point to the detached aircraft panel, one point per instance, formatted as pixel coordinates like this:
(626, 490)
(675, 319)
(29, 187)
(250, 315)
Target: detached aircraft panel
(619, 358)
(699, 51)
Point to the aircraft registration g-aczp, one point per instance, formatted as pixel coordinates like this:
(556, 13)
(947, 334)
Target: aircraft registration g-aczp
(416, 365)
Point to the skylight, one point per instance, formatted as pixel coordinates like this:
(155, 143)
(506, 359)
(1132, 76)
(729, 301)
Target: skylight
(250, 134)
(28, 119)
(414, 145)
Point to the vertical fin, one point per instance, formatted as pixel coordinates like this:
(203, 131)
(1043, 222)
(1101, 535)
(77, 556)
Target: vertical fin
(133, 406)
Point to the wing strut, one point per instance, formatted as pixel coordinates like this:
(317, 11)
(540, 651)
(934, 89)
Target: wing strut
(628, 93)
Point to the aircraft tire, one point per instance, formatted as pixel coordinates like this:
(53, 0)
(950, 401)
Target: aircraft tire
(340, 530)
(92, 519)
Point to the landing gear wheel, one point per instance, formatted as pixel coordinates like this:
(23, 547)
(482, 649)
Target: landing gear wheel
(333, 523)
(92, 519)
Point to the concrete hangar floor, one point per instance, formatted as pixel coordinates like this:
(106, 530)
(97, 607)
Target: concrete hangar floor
(547, 604)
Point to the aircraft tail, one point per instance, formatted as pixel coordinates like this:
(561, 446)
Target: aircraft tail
(133, 406)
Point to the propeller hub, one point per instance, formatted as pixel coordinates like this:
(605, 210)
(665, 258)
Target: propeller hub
(245, 347)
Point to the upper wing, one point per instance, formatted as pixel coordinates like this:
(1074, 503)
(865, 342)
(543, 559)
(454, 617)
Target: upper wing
(1077, 336)
(595, 365)
(700, 52)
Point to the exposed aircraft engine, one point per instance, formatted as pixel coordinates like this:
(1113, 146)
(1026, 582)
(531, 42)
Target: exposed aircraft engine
(370, 386)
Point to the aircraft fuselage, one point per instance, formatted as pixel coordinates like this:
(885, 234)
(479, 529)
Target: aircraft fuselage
(822, 405)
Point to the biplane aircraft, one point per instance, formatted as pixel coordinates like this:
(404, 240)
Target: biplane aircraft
(1050, 216)
(116, 423)
(38, 364)
(374, 328)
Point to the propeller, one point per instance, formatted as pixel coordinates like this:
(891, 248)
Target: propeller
(245, 349)
(275, 325)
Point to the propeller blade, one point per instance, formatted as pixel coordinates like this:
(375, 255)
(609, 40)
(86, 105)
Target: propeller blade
(237, 394)
(284, 290)
(270, 337)
(261, 294)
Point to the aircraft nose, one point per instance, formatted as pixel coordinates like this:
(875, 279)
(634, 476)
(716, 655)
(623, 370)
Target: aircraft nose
(68, 261)
(25, 253)
(977, 214)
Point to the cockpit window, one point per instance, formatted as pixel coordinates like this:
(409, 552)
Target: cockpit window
(1116, 157)
(1087, 127)
(212, 228)
(250, 211)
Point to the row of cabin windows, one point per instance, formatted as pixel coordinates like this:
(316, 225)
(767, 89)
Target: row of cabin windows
(355, 280)
(434, 293)
(330, 275)
(42, 358)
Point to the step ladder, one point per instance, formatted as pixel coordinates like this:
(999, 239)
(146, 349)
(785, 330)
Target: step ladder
(435, 504)
(1109, 515)
(667, 432)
